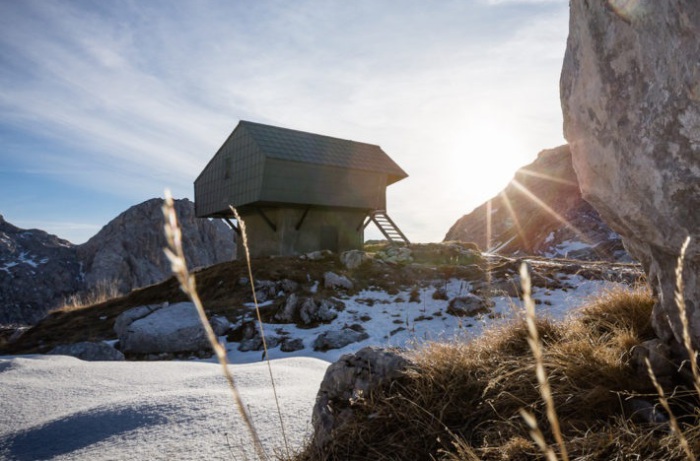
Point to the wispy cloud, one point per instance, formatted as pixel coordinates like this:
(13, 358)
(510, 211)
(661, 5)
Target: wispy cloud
(133, 96)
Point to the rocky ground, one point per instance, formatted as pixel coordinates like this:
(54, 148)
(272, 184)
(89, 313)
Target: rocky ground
(324, 305)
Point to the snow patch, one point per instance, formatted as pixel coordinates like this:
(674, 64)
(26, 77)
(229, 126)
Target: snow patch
(148, 410)
(566, 247)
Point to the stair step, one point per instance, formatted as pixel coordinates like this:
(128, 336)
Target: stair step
(387, 226)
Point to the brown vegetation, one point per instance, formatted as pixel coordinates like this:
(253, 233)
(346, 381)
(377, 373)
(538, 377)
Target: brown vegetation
(462, 401)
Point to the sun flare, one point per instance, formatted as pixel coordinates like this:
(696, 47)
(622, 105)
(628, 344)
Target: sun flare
(483, 159)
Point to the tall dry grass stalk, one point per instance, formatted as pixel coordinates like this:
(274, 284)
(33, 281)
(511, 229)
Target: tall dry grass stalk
(683, 314)
(178, 264)
(673, 421)
(679, 299)
(545, 390)
(244, 235)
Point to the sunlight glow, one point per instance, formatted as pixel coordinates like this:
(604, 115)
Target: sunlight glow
(484, 157)
(551, 212)
(537, 174)
(514, 215)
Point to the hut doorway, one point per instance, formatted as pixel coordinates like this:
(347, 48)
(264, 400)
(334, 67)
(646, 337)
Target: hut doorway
(329, 238)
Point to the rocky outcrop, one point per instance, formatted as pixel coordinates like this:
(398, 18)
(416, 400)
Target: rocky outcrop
(337, 339)
(348, 382)
(129, 250)
(541, 212)
(38, 271)
(630, 90)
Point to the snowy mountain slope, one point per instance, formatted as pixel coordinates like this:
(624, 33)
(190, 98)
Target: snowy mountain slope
(39, 271)
(55, 407)
(389, 304)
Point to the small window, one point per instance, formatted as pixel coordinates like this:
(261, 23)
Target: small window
(227, 167)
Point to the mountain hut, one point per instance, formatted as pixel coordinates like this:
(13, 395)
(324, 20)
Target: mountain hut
(298, 192)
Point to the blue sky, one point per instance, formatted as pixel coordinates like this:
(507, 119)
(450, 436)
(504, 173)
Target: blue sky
(105, 104)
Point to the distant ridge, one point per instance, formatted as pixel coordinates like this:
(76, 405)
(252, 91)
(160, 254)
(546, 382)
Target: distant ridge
(38, 271)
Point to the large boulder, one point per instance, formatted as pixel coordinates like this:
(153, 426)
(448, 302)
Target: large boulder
(352, 378)
(174, 328)
(630, 91)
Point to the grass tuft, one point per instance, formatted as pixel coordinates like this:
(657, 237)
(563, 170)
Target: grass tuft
(103, 291)
(463, 400)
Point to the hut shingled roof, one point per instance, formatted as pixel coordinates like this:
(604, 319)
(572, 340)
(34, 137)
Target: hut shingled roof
(301, 146)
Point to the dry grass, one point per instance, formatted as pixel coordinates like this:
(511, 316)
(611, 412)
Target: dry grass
(103, 291)
(463, 401)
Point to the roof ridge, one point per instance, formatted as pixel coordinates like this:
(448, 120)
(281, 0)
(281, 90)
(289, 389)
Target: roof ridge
(248, 122)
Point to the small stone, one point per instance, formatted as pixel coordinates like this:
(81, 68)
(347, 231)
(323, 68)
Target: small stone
(353, 259)
(337, 339)
(468, 306)
(291, 345)
(335, 281)
(89, 351)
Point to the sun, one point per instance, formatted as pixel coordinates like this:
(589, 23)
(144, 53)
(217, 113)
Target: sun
(483, 158)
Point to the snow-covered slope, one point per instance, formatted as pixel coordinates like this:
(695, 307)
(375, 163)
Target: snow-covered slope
(61, 408)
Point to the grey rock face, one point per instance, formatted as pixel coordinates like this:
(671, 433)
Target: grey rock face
(89, 351)
(353, 259)
(38, 271)
(352, 378)
(173, 328)
(630, 91)
(129, 250)
(307, 311)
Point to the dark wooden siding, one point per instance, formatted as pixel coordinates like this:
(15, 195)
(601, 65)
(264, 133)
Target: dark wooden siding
(321, 185)
(233, 177)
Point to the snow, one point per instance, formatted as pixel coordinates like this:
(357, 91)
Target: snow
(23, 258)
(566, 247)
(393, 321)
(549, 238)
(61, 408)
(8, 266)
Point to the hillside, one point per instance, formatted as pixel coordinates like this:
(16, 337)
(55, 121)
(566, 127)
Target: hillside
(321, 305)
(541, 212)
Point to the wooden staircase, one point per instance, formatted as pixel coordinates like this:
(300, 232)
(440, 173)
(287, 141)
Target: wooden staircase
(388, 227)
